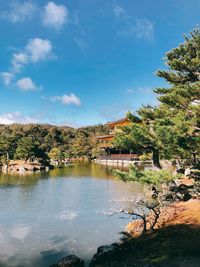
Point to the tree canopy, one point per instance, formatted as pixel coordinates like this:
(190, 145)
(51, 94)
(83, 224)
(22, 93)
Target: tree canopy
(42, 141)
(171, 130)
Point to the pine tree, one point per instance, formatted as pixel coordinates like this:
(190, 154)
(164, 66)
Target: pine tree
(182, 100)
(172, 129)
(183, 62)
(26, 149)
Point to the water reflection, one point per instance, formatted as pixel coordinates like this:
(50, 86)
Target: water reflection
(73, 170)
(81, 170)
(45, 216)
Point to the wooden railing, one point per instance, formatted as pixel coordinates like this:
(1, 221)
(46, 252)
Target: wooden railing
(119, 157)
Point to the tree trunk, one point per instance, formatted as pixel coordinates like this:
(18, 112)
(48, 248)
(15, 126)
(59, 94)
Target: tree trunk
(180, 168)
(156, 160)
(194, 159)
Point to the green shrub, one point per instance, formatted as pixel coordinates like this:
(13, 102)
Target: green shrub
(146, 176)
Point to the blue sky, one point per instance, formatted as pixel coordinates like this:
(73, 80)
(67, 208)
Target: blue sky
(86, 61)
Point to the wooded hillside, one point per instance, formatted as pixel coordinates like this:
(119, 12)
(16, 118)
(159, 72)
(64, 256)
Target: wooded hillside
(31, 141)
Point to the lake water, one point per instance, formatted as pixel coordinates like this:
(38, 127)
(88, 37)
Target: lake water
(46, 216)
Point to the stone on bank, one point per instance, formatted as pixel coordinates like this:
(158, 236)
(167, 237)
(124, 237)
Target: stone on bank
(69, 261)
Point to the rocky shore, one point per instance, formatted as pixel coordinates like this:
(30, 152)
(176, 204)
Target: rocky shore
(69, 261)
(21, 166)
(174, 242)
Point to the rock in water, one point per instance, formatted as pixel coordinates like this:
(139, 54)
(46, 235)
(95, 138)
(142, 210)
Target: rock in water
(69, 261)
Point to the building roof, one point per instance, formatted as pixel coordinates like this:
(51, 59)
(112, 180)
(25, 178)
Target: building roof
(105, 136)
(118, 121)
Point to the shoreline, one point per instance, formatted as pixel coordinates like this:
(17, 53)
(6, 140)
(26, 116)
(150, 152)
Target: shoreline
(19, 166)
(176, 224)
(175, 241)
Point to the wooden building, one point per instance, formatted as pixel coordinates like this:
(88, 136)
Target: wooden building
(106, 145)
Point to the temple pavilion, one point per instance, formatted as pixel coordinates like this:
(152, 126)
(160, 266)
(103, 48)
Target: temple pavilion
(105, 142)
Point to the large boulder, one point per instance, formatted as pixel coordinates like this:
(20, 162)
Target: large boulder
(69, 261)
(105, 254)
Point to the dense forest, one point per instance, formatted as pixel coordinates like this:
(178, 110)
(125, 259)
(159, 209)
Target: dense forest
(32, 141)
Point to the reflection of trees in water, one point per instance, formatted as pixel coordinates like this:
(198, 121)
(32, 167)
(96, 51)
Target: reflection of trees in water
(73, 170)
(28, 181)
(19, 179)
(81, 170)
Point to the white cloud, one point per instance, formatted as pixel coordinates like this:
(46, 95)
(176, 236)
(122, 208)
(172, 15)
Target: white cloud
(16, 117)
(18, 60)
(69, 123)
(38, 49)
(130, 91)
(143, 90)
(20, 11)
(119, 12)
(115, 111)
(67, 99)
(144, 29)
(35, 51)
(26, 84)
(6, 77)
(55, 16)
(129, 27)
(140, 29)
